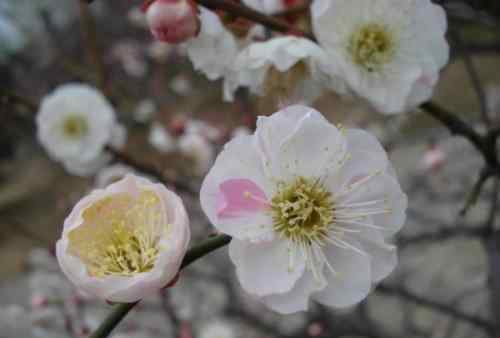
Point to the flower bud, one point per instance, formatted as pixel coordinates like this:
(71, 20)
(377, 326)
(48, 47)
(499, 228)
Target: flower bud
(124, 242)
(172, 21)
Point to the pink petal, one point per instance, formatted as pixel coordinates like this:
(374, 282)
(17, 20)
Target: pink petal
(238, 197)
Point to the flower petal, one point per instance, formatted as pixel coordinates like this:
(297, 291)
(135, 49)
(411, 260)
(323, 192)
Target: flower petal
(296, 299)
(238, 161)
(238, 197)
(264, 268)
(352, 281)
(314, 148)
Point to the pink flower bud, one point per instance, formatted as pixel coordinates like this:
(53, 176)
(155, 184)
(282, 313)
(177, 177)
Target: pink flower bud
(172, 21)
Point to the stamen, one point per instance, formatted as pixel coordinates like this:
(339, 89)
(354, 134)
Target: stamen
(120, 235)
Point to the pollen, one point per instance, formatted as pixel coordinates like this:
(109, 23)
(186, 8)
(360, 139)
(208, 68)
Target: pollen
(302, 211)
(120, 235)
(372, 46)
(75, 126)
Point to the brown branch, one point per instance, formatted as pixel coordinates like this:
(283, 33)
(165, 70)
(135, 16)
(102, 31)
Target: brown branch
(89, 34)
(151, 170)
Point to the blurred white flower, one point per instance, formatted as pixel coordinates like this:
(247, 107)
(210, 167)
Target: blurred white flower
(160, 138)
(214, 50)
(309, 207)
(217, 329)
(112, 174)
(181, 85)
(199, 150)
(75, 122)
(145, 111)
(241, 131)
(266, 6)
(290, 68)
(126, 241)
(389, 52)
(119, 135)
(202, 128)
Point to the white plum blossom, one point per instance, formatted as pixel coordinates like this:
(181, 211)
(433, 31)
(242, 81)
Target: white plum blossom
(199, 150)
(202, 128)
(145, 111)
(289, 67)
(309, 207)
(214, 49)
(74, 123)
(126, 241)
(389, 52)
(161, 139)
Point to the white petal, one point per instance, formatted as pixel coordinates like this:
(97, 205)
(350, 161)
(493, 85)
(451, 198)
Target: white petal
(274, 130)
(379, 187)
(238, 160)
(296, 299)
(264, 268)
(352, 281)
(315, 147)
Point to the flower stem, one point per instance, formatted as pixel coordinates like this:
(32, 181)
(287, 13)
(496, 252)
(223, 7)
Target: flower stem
(121, 310)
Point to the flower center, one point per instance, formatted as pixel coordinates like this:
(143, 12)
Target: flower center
(75, 126)
(283, 84)
(372, 46)
(120, 235)
(302, 211)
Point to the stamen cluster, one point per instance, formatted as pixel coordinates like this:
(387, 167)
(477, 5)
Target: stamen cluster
(302, 211)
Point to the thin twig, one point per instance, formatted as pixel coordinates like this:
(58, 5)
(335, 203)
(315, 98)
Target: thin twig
(476, 190)
(473, 75)
(89, 34)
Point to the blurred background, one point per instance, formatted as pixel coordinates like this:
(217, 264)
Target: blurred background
(446, 285)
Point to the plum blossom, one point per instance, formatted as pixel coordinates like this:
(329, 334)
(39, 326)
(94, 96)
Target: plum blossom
(309, 207)
(288, 67)
(75, 123)
(172, 21)
(197, 149)
(388, 52)
(161, 139)
(214, 49)
(126, 241)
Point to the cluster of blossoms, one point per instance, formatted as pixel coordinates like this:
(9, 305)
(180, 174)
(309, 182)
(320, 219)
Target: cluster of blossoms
(387, 52)
(305, 224)
(309, 206)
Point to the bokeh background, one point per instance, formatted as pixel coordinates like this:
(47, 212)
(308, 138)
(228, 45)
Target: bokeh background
(446, 284)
